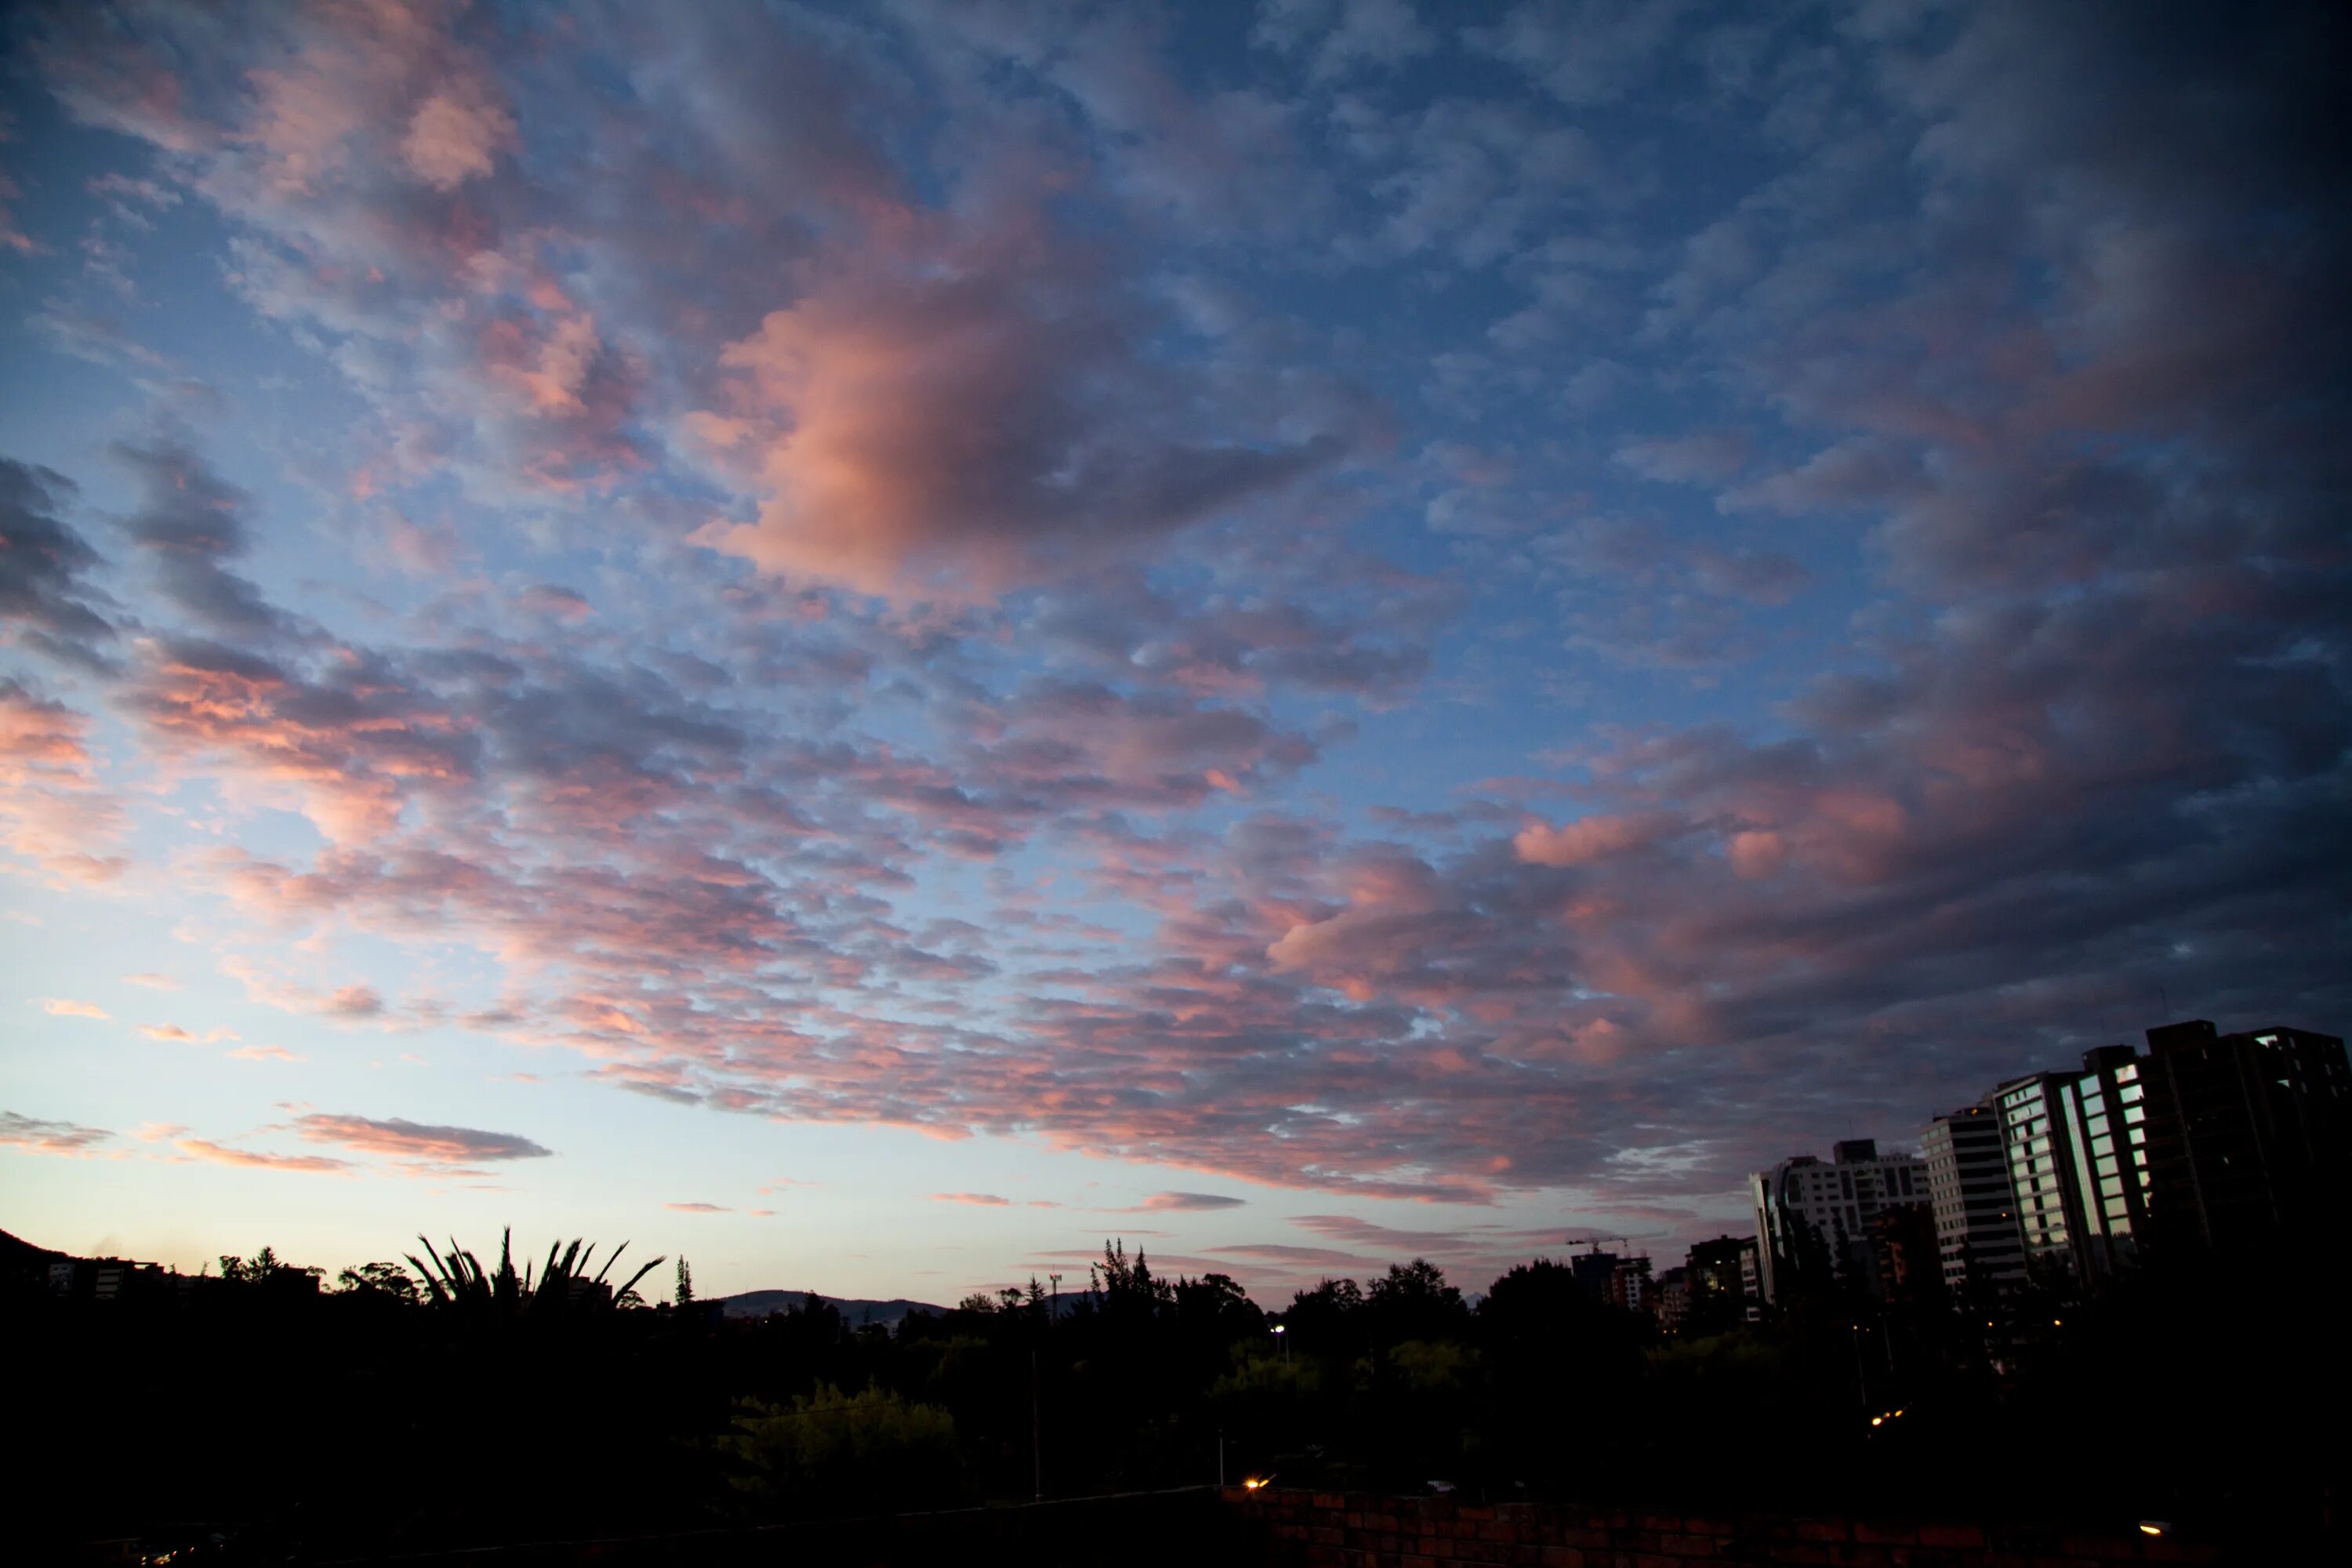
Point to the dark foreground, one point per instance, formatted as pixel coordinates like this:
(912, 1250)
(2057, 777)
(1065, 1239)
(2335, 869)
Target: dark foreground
(1287, 1526)
(356, 1424)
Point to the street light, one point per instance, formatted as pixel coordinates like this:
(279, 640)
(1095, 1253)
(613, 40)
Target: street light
(1285, 1343)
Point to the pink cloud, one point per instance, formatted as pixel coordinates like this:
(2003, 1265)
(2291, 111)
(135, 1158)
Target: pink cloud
(63, 1007)
(220, 1154)
(1592, 839)
(39, 1137)
(454, 136)
(548, 599)
(984, 1200)
(53, 812)
(959, 407)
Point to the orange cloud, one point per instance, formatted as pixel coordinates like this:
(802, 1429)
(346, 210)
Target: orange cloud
(220, 1154)
(61, 1007)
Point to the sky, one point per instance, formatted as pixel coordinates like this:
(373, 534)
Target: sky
(874, 643)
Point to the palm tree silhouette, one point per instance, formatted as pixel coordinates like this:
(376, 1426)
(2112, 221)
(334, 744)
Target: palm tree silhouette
(459, 1281)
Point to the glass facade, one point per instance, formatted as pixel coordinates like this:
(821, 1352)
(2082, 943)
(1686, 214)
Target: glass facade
(2034, 1132)
(2077, 1147)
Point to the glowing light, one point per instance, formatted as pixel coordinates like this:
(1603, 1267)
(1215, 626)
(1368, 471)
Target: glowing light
(2155, 1527)
(1877, 1420)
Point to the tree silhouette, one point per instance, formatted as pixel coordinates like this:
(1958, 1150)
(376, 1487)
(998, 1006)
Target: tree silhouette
(264, 1268)
(459, 1283)
(1128, 1290)
(1412, 1301)
(388, 1280)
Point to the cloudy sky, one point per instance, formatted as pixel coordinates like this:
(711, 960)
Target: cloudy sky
(874, 643)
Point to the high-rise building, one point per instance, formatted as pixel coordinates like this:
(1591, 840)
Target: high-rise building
(1593, 1269)
(2253, 1140)
(1904, 1255)
(1673, 1299)
(2076, 1145)
(1802, 1204)
(1978, 1241)
(2033, 1142)
(1723, 1282)
(2110, 1135)
(1630, 1286)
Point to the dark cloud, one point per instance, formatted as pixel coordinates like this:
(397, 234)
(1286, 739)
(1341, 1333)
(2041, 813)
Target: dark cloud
(416, 1142)
(1185, 1202)
(1584, 52)
(43, 566)
(191, 521)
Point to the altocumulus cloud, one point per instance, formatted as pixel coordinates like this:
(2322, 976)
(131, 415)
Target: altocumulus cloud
(44, 1137)
(415, 1141)
(1967, 665)
(1184, 1203)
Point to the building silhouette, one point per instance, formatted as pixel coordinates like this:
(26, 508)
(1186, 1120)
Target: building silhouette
(1801, 1202)
(1630, 1286)
(2252, 1142)
(1979, 1245)
(1593, 1269)
(1723, 1277)
(2211, 1143)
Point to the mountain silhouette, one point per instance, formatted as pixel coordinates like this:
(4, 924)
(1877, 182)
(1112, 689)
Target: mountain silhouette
(855, 1313)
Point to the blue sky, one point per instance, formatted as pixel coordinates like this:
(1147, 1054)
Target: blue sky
(872, 644)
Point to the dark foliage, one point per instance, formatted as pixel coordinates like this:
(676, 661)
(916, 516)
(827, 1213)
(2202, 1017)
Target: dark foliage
(497, 1404)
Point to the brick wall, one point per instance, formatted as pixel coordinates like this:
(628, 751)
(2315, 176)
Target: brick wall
(1359, 1529)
